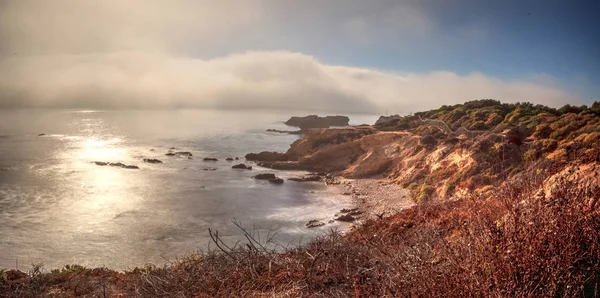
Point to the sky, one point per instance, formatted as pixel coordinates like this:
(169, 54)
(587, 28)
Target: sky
(345, 56)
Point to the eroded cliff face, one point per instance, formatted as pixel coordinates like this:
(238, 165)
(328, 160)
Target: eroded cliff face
(431, 167)
(363, 152)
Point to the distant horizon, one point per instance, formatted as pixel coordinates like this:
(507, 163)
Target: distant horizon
(288, 112)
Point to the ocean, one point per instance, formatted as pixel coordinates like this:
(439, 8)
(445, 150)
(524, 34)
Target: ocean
(57, 207)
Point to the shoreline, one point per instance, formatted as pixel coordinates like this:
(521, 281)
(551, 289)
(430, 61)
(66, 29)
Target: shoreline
(373, 198)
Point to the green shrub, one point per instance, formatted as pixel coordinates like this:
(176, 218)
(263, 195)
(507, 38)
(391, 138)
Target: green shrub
(478, 125)
(531, 155)
(424, 194)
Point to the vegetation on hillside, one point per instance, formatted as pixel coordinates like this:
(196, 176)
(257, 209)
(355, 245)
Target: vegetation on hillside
(519, 136)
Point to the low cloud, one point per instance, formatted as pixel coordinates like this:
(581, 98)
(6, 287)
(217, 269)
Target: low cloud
(271, 79)
(155, 54)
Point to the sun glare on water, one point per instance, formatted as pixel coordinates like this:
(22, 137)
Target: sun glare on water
(102, 150)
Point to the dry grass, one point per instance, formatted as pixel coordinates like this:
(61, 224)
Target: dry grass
(517, 244)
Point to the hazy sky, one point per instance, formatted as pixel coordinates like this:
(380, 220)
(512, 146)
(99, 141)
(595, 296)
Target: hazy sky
(330, 56)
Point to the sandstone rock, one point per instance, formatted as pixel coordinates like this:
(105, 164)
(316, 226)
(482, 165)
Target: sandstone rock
(242, 167)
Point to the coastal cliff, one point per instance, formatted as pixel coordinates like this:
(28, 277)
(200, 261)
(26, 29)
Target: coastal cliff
(434, 162)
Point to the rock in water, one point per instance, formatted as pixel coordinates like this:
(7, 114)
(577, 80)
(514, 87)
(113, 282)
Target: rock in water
(229, 159)
(115, 164)
(337, 120)
(314, 223)
(265, 176)
(268, 156)
(314, 121)
(210, 159)
(294, 132)
(152, 160)
(345, 210)
(180, 153)
(306, 178)
(242, 166)
(276, 181)
(346, 218)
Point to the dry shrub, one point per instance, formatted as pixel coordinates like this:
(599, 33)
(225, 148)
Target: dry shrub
(516, 244)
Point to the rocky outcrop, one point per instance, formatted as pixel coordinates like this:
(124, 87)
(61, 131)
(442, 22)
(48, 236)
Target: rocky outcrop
(179, 153)
(269, 177)
(116, 164)
(314, 224)
(276, 180)
(385, 119)
(242, 166)
(314, 121)
(291, 132)
(264, 176)
(345, 218)
(306, 178)
(152, 160)
(270, 156)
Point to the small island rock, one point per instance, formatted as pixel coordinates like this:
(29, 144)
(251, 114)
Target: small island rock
(242, 167)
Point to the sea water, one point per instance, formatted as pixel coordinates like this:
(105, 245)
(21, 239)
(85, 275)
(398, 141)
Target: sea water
(57, 207)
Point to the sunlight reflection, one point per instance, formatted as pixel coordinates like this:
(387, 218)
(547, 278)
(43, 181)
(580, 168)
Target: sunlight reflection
(102, 150)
